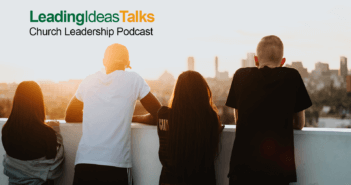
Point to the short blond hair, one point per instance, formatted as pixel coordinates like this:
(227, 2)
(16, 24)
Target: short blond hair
(270, 49)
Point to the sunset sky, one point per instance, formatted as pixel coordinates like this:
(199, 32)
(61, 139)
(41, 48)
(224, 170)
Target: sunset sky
(311, 31)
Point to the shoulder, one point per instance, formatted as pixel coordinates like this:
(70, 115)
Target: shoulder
(290, 72)
(245, 71)
(133, 76)
(90, 78)
(132, 73)
(93, 76)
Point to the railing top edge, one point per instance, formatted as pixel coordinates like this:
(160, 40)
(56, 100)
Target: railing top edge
(231, 128)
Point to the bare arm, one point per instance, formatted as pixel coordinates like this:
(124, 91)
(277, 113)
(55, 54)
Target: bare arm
(299, 120)
(74, 112)
(151, 104)
(236, 116)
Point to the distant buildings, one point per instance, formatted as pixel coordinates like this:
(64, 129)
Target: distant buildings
(299, 67)
(343, 67)
(323, 67)
(166, 78)
(3, 86)
(348, 84)
(162, 88)
(220, 75)
(191, 63)
(216, 66)
(322, 77)
(334, 72)
(249, 61)
(220, 87)
(3, 89)
(320, 69)
(7, 91)
(69, 86)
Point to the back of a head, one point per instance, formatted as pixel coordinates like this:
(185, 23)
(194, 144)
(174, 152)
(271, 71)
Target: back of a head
(270, 50)
(191, 90)
(193, 124)
(116, 55)
(28, 110)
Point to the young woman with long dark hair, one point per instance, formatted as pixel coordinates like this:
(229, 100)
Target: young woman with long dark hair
(189, 131)
(29, 142)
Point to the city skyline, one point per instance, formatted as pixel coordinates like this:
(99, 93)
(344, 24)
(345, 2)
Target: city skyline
(319, 68)
(320, 80)
(228, 30)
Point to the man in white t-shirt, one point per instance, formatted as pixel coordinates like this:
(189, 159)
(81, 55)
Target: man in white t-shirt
(108, 99)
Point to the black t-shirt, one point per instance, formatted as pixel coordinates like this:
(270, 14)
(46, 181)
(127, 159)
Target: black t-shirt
(266, 100)
(168, 175)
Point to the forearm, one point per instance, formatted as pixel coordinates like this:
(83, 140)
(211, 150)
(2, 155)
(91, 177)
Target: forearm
(146, 119)
(236, 116)
(74, 112)
(299, 120)
(152, 105)
(298, 126)
(74, 117)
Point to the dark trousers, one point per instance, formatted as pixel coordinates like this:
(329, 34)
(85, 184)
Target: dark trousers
(86, 174)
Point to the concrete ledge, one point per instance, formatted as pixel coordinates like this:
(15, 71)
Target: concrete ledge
(322, 155)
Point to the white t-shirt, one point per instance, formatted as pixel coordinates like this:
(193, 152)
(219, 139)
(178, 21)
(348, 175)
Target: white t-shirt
(109, 102)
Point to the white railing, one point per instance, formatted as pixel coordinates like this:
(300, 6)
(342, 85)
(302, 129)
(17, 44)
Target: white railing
(323, 156)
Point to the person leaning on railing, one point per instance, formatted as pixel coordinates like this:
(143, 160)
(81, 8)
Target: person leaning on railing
(269, 102)
(108, 98)
(34, 149)
(189, 133)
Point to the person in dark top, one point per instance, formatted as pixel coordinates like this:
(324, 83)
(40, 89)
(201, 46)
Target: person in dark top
(189, 132)
(269, 102)
(25, 135)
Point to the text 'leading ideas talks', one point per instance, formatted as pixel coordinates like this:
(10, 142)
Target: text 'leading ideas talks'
(81, 18)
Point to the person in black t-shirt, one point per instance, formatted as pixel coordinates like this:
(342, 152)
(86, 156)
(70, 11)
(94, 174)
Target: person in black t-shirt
(269, 102)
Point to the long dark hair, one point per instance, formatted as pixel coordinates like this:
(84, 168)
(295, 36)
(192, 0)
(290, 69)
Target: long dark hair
(27, 118)
(194, 125)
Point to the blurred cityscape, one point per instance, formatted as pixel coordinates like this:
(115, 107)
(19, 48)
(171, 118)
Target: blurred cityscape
(327, 88)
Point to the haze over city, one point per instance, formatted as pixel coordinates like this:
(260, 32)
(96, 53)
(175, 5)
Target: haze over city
(313, 31)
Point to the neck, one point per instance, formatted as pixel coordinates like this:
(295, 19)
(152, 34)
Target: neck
(270, 65)
(110, 70)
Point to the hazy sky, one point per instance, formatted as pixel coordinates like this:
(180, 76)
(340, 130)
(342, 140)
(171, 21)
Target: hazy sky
(311, 31)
